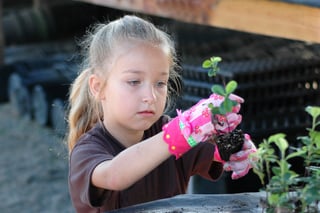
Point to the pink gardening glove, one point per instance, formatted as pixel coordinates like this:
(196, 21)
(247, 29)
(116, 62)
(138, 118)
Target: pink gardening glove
(239, 163)
(195, 125)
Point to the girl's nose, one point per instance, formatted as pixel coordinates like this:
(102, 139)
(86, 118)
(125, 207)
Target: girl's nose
(149, 95)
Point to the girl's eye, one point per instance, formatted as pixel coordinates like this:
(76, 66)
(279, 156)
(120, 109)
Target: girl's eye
(161, 84)
(134, 83)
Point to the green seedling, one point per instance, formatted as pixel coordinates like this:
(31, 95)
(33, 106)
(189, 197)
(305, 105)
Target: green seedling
(232, 142)
(230, 87)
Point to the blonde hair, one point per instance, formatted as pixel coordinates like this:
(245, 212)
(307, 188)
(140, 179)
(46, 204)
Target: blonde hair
(84, 111)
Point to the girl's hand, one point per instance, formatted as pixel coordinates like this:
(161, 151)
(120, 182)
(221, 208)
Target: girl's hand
(195, 125)
(240, 163)
(226, 123)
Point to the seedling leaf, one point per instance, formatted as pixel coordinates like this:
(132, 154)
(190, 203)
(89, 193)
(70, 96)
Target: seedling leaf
(228, 104)
(215, 110)
(313, 111)
(206, 64)
(218, 89)
(231, 87)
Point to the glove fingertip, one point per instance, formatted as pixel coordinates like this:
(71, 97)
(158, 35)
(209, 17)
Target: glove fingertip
(247, 136)
(237, 98)
(227, 167)
(235, 176)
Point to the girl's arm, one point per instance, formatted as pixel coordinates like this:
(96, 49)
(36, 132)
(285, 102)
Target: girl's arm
(131, 164)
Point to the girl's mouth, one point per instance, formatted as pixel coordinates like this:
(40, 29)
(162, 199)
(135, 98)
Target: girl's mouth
(146, 113)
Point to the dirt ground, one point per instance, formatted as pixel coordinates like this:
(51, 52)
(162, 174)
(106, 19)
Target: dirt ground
(33, 167)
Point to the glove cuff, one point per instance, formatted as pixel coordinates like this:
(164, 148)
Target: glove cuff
(176, 139)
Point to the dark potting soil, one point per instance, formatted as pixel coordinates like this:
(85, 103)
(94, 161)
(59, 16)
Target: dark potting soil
(230, 143)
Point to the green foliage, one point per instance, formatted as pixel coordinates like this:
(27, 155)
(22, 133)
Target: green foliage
(312, 141)
(311, 192)
(227, 104)
(286, 189)
(212, 64)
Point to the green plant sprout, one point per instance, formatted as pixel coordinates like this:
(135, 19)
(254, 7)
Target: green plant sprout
(227, 105)
(212, 64)
(311, 143)
(286, 190)
(284, 177)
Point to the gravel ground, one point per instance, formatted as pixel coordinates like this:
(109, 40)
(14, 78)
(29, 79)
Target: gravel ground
(33, 167)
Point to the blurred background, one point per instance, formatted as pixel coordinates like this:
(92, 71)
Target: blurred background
(271, 48)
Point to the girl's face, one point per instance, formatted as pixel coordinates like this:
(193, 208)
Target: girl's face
(135, 93)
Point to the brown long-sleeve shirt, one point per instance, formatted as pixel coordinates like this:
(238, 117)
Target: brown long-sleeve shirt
(168, 179)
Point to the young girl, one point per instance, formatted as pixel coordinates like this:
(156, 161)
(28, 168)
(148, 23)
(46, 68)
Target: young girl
(123, 149)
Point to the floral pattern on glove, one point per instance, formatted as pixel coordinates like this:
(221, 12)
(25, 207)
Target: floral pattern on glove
(240, 163)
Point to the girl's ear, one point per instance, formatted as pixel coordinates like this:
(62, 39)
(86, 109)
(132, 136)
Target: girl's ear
(95, 85)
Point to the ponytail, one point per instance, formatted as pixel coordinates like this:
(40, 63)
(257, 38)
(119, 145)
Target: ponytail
(84, 111)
